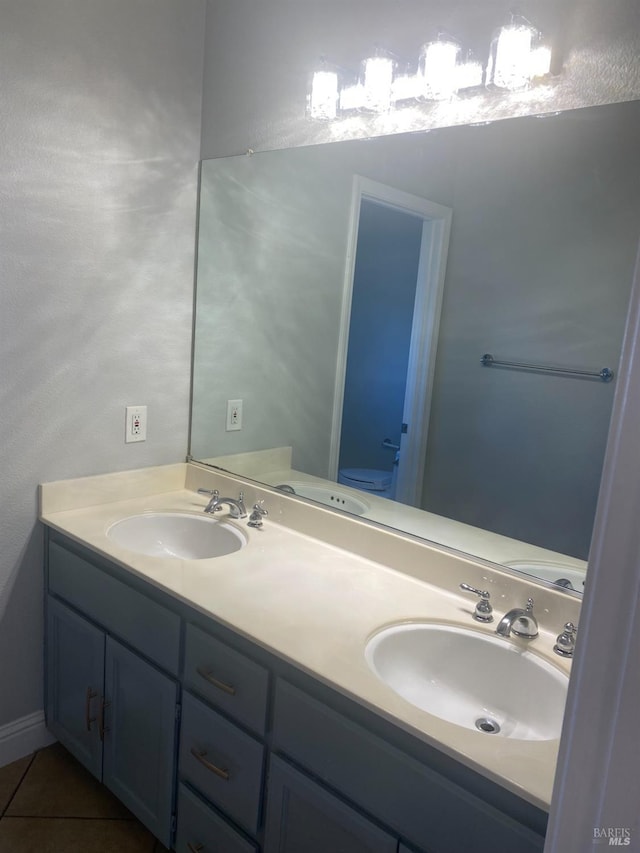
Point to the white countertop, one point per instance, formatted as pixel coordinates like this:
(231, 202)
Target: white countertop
(315, 605)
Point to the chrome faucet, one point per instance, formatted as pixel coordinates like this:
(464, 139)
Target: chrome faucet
(237, 508)
(520, 622)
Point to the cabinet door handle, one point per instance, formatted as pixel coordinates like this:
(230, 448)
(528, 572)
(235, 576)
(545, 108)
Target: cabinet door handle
(195, 848)
(101, 726)
(223, 774)
(91, 694)
(206, 674)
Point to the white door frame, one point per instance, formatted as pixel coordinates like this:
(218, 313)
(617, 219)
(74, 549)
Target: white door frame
(424, 333)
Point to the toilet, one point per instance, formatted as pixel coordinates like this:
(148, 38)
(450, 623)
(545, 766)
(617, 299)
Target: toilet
(380, 483)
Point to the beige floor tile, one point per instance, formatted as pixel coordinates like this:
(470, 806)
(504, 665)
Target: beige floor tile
(56, 785)
(10, 776)
(71, 835)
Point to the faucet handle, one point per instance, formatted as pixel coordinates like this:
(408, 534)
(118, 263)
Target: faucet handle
(484, 610)
(566, 641)
(213, 505)
(255, 519)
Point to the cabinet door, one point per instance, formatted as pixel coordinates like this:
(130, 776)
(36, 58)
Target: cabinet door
(140, 737)
(303, 816)
(75, 675)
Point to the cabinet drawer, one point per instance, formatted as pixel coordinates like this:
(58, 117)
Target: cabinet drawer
(201, 829)
(148, 627)
(226, 678)
(415, 801)
(222, 762)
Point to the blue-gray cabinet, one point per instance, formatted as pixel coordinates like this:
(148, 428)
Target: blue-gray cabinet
(115, 712)
(203, 830)
(303, 816)
(140, 723)
(189, 723)
(75, 679)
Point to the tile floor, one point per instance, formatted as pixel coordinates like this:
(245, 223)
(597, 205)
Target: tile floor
(50, 804)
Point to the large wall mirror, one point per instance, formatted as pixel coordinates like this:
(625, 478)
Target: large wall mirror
(347, 292)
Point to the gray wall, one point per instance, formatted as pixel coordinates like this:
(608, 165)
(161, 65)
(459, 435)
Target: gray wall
(100, 132)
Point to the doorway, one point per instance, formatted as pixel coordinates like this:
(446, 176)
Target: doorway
(393, 292)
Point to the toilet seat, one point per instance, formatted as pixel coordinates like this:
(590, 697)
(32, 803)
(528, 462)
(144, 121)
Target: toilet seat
(367, 479)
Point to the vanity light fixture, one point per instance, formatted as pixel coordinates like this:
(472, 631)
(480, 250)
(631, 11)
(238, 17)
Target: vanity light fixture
(517, 57)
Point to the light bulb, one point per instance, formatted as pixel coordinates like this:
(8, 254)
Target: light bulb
(540, 61)
(469, 74)
(351, 98)
(406, 87)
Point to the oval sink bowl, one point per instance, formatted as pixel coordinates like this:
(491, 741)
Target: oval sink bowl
(175, 534)
(479, 681)
(552, 572)
(329, 497)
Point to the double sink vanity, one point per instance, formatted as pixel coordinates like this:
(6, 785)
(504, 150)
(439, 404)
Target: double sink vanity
(304, 683)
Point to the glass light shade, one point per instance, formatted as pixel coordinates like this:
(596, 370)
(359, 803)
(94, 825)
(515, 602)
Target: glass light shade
(378, 79)
(438, 68)
(323, 98)
(510, 60)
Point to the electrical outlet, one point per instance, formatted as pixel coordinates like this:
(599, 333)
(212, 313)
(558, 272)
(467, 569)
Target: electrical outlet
(135, 424)
(234, 415)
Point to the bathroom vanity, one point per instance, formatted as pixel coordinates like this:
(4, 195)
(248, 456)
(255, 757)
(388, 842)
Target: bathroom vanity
(227, 701)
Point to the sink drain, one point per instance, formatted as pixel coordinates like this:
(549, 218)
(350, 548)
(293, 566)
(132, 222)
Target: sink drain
(487, 725)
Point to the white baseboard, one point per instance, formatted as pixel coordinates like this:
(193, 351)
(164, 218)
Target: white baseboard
(23, 736)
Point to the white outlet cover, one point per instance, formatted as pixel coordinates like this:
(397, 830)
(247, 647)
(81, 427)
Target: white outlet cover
(234, 415)
(135, 428)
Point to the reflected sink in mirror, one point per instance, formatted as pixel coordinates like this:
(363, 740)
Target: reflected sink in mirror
(178, 535)
(557, 573)
(476, 680)
(334, 498)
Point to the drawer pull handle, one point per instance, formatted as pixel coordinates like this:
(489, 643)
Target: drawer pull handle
(206, 674)
(101, 726)
(223, 774)
(91, 694)
(195, 848)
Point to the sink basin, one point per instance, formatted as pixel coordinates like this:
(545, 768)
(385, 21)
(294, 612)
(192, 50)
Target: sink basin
(329, 497)
(476, 680)
(176, 534)
(551, 572)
